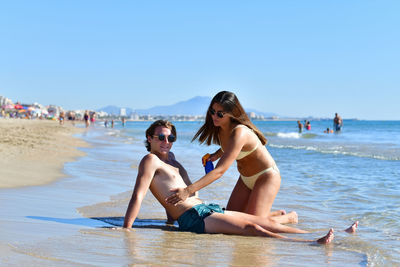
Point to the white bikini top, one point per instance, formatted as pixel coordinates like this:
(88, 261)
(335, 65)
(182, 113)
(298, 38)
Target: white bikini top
(243, 154)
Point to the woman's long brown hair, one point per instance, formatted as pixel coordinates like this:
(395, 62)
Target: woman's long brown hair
(209, 133)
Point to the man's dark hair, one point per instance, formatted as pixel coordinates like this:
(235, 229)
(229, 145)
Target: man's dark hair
(150, 131)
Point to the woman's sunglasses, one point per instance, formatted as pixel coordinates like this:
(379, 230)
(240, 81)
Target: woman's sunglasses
(171, 138)
(220, 114)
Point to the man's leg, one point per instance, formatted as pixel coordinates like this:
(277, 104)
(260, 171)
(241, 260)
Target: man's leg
(218, 223)
(267, 223)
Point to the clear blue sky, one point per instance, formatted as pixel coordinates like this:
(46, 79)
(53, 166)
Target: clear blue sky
(293, 58)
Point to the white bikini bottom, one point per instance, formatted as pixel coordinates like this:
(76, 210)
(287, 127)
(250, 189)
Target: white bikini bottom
(251, 180)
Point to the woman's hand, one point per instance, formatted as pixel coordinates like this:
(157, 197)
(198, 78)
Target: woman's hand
(210, 157)
(181, 194)
(205, 158)
(214, 156)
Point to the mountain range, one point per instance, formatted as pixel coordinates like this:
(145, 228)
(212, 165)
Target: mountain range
(194, 106)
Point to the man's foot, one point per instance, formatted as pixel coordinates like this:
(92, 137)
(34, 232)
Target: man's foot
(327, 239)
(352, 229)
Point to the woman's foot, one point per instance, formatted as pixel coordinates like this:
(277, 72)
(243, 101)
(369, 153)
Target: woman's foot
(277, 213)
(290, 217)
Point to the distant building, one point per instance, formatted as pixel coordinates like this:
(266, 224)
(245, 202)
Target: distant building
(102, 114)
(5, 101)
(135, 116)
(122, 112)
(252, 115)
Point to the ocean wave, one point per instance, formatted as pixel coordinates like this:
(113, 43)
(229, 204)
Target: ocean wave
(291, 135)
(342, 150)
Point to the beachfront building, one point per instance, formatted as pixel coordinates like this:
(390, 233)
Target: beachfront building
(122, 112)
(5, 101)
(135, 116)
(102, 114)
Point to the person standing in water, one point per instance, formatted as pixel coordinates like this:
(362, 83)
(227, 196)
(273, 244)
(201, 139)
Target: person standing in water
(228, 126)
(308, 125)
(300, 126)
(337, 123)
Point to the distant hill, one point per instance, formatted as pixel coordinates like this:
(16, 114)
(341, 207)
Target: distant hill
(195, 106)
(114, 110)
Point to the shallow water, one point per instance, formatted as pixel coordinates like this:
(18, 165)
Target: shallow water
(327, 186)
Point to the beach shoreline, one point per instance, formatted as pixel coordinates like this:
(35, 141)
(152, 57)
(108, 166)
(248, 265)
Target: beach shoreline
(34, 151)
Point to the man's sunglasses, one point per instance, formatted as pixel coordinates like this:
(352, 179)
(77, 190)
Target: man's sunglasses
(220, 114)
(171, 138)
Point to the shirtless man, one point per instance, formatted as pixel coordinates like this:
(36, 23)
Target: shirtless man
(337, 123)
(161, 172)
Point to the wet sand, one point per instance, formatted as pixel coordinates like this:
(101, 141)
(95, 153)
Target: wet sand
(33, 152)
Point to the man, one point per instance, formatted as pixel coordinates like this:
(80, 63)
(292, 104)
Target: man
(337, 123)
(161, 172)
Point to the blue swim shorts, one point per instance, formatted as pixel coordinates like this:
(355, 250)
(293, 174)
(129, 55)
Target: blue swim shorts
(193, 220)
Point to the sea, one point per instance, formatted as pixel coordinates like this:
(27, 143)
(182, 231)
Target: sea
(330, 179)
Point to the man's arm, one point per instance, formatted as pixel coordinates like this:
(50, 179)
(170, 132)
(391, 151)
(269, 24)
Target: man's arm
(147, 169)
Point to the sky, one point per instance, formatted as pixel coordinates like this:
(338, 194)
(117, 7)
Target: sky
(294, 58)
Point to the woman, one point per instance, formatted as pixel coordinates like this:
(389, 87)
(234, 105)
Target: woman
(228, 126)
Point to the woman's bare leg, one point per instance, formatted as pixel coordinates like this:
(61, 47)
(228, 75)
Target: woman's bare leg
(291, 217)
(277, 213)
(239, 197)
(263, 194)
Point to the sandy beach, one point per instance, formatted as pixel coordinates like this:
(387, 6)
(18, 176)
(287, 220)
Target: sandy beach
(34, 151)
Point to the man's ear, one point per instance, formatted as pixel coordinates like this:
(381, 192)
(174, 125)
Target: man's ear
(149, 138)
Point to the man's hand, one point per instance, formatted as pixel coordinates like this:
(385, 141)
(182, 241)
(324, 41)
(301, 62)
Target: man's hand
(181, 194)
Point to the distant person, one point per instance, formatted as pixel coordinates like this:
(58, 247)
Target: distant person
(300, 126)
(106, 123)
(86, 118)
(337, 123)
(123, 121)
(71, 116)
(308, 125)
(92, 117)
(227, 125)
(160, 172)
(61, 117)
(328, 130)
(112, 123)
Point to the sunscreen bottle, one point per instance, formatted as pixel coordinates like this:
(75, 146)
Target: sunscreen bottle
(208, 165)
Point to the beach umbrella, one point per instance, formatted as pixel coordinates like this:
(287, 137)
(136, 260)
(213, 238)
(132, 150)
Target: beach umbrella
(9, 106)
(18, 106)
